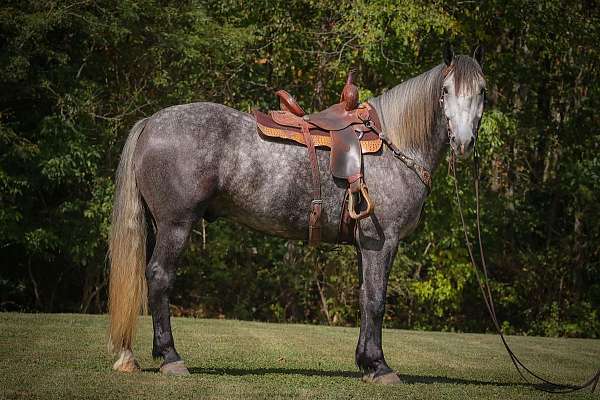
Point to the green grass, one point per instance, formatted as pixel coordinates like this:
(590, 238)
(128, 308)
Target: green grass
(64, 356)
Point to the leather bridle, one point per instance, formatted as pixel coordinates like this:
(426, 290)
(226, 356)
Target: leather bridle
(445, 72)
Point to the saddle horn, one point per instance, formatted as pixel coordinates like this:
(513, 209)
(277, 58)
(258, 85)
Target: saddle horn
(350, 93)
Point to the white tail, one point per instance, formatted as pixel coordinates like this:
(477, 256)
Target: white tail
(128, 292)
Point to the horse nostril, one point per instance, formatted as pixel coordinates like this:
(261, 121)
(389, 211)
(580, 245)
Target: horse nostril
(471, 143)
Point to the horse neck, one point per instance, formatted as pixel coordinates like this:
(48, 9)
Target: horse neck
(429, 156)
(436, 142)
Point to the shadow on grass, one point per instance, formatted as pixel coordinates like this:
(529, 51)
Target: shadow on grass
(407, 379)
(427, 379)
(269, 371)
(266, 371)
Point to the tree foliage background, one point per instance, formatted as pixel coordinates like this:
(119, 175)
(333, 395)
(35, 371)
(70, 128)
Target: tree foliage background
(76, 75)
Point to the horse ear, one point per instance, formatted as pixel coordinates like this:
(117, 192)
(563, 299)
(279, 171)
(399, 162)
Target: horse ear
(478, 55)
(448, 54)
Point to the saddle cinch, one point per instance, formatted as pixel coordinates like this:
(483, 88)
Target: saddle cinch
(342, 128)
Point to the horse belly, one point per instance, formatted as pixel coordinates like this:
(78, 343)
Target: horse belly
(269, 190)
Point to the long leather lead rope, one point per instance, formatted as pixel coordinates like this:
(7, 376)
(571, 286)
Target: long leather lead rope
(545, 385)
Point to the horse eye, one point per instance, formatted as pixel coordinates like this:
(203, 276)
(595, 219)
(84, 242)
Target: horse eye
(445, 90)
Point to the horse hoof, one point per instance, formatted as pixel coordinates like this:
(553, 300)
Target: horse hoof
(391, 378)
(126, 362)
(174, 368)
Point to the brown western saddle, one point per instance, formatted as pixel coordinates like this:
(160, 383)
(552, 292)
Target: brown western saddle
(342, 128)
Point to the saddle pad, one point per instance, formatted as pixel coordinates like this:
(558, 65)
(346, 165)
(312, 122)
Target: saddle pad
(369, 140)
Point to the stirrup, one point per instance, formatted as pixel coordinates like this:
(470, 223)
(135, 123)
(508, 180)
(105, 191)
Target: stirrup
(364, 191)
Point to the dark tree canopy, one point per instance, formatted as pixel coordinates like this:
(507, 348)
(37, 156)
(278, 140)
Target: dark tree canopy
(76, 75)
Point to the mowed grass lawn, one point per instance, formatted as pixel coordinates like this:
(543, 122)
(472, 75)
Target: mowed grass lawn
(64, 356)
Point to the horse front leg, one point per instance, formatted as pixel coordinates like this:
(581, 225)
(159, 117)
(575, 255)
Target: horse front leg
(160, 275)
(374, 268)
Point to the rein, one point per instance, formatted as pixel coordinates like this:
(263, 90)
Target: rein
(544, 385)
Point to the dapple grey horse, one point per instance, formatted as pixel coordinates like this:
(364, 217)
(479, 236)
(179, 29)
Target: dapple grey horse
(206, 160)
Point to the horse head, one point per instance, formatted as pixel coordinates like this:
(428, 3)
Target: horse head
(463, 98)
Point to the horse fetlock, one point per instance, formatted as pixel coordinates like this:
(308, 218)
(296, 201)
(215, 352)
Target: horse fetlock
(166, 352)
(372, 364)
(126, 362)
(156, 352)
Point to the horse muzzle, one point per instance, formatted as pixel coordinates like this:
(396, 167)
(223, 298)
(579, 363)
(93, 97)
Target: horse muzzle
(462, 144)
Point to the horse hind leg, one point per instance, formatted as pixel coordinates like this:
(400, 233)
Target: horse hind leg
(160, 274)
(165, 246)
